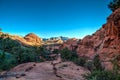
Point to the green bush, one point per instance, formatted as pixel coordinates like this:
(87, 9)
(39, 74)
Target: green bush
(68, 55)
(102, 75)
(43, 52)
(7, 44)
(90, 65)
(115, 4)
(19, 53)
(115, 62)
(7, 61)
(98, 73)
(80, 61)
(55, 51)
(97, 63)
(23, 55)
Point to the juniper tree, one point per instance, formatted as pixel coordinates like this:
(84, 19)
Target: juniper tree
(113, 5)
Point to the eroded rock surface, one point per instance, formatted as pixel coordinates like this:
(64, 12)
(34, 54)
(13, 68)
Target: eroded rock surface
(44, 71)
(105, 41)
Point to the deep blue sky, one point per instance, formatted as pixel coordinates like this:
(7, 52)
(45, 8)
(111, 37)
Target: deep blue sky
(48, 18)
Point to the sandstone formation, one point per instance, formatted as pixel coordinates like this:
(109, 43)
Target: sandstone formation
(52, 42)
(44, 71)
(31, 37)
(29, 40)
(70, 44)
(105, 41)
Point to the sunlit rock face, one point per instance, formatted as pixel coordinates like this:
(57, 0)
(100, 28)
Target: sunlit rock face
(105, 41)
(32, 38)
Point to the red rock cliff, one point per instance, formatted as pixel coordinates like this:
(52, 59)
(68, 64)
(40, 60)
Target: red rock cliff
(105, 41)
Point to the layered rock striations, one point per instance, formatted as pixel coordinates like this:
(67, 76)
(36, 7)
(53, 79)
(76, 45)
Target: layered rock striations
(105, 41)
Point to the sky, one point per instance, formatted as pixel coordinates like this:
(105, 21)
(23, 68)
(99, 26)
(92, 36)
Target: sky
(51, 18)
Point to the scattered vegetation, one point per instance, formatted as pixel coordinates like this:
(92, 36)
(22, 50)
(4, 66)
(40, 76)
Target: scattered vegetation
(13, 53)
(43, 53)
(98, 72)
(90, 66)
(97, 63)
(102, 75)
(68, 55)
(7, 61)
(7, 44)
(95, 67)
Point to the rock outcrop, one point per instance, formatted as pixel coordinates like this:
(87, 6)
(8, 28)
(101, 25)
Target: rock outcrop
(29, 40)
(105, 41)
(32, 38)
(70, 44)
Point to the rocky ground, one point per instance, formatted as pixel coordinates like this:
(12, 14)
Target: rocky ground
(45, 71)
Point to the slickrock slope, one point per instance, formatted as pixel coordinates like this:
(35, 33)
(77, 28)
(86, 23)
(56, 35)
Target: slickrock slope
(44, 71)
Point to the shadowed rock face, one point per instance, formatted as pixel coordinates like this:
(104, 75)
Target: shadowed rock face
(44, 71)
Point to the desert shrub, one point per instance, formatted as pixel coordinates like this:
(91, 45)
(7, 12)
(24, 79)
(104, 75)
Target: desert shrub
(98, 73)
(43, 52)
(28, 57)
(3, 36)
(90, 65)
(80, 61)
(113, 5)
(68, 55)
(7, 44)
(55, 51)
(97, 63)
(102, 75)
(115, 62)
(23, 55)
(7, 61)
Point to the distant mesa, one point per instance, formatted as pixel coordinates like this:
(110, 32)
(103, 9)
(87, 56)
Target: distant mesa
(32, 39)
(56, 38)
